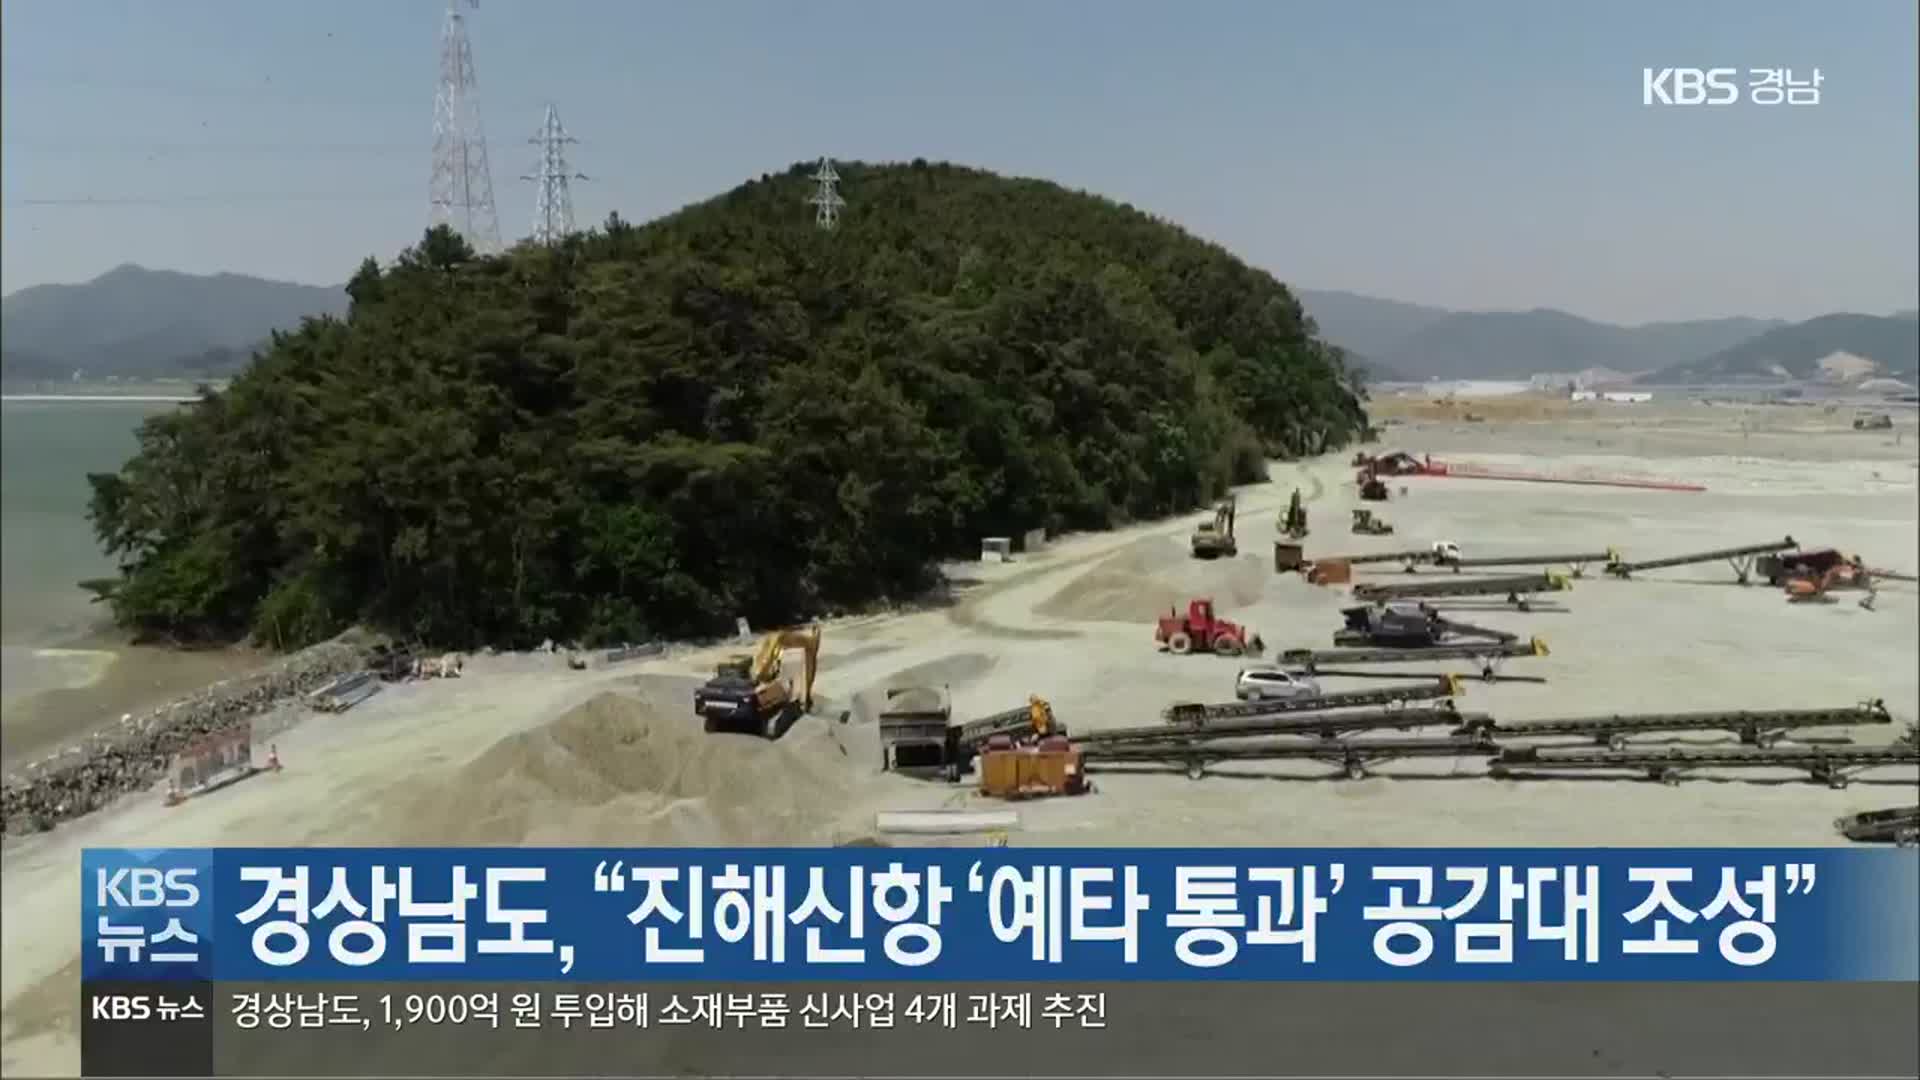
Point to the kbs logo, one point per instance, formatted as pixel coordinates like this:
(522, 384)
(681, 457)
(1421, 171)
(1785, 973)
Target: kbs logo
(1689, 86)
(146, 887)
(122, 1007)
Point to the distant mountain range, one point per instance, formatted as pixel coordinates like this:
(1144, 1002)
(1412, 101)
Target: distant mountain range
(1395, 340)
(135, 322)
(132, 323)
(1830, 346)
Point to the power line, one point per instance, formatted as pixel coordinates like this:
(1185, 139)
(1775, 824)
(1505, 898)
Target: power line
(212, 199)
(134, 146)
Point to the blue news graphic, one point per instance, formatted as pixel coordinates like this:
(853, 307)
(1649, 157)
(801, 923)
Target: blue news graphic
(147, 913)
(1000, 914)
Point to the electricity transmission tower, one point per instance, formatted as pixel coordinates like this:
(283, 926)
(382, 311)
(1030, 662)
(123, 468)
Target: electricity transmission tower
(553, 208)
(826, 200)
(462, 194)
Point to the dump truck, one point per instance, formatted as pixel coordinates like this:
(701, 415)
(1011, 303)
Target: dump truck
(1366, 524)
(916, 730)
(1213, 539)
(1203, 631)
(749, 694)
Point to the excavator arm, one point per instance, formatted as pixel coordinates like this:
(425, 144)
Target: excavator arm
(1040, 715)
(766, 659)
(811, 650)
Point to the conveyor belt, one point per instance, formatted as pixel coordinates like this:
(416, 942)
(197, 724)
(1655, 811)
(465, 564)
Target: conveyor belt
(1356, 673)
(1487, 654)
(1832, 765)
(1514, 586)
(1577, 562)
(1444, 686)
(1899, 825)
(1740, 558)
(1412, 555)
(1323, 724)
(1011, 722)
(1759, 727)
(1353, 755)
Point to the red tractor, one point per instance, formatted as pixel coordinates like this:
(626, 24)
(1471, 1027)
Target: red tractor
(1201, 629)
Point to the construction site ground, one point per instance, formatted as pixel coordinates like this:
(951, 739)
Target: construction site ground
(521, 750)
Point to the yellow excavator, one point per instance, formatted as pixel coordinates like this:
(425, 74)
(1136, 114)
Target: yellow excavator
(748, 693)
(1212, 539)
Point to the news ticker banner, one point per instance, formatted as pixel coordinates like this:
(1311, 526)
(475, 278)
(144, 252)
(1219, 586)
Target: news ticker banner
(558, 915)
(1031, 1029)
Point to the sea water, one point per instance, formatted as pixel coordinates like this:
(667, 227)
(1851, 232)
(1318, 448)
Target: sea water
(47, 544)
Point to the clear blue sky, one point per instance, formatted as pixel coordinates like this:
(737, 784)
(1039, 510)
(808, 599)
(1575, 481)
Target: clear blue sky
(1464, 153)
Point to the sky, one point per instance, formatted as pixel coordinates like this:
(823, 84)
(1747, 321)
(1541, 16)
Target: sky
(1469, 154)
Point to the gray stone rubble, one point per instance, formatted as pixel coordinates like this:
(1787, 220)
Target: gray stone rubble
(138, 750)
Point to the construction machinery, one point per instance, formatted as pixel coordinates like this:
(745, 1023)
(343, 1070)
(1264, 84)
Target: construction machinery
(1834, 766)
(1576, 562)
(1899, 825)
(1407, 625)
(1740, 558)
(1353, 754)
(917, 733)
(1200, 629)
(749, 694)
(1047, 767)
(1412, 557)
(1487, 654)
(916, 730)
(1780, 567)
(1515, 588)
(1293, 523)
(1194, 714)
(1755, 727)
(1365, 524)
(1213, 539)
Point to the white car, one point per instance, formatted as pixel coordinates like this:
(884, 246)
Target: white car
(1266, 681)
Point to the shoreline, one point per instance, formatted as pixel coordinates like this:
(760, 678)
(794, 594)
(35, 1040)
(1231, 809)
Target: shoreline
(44, 722)
(151, 399)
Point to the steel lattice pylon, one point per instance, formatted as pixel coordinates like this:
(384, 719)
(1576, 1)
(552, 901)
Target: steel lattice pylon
(826, 199)
(462, 190)
(553, 207)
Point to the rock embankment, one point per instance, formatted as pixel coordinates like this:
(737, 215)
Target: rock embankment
(140, 750)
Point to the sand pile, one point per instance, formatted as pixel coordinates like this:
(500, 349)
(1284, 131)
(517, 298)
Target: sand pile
(926, 685)
(1145, 580)
(621, 768)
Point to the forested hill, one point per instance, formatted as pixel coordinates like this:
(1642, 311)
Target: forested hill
(725, 412)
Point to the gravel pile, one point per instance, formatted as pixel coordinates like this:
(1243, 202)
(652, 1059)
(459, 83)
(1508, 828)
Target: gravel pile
(140, 752)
